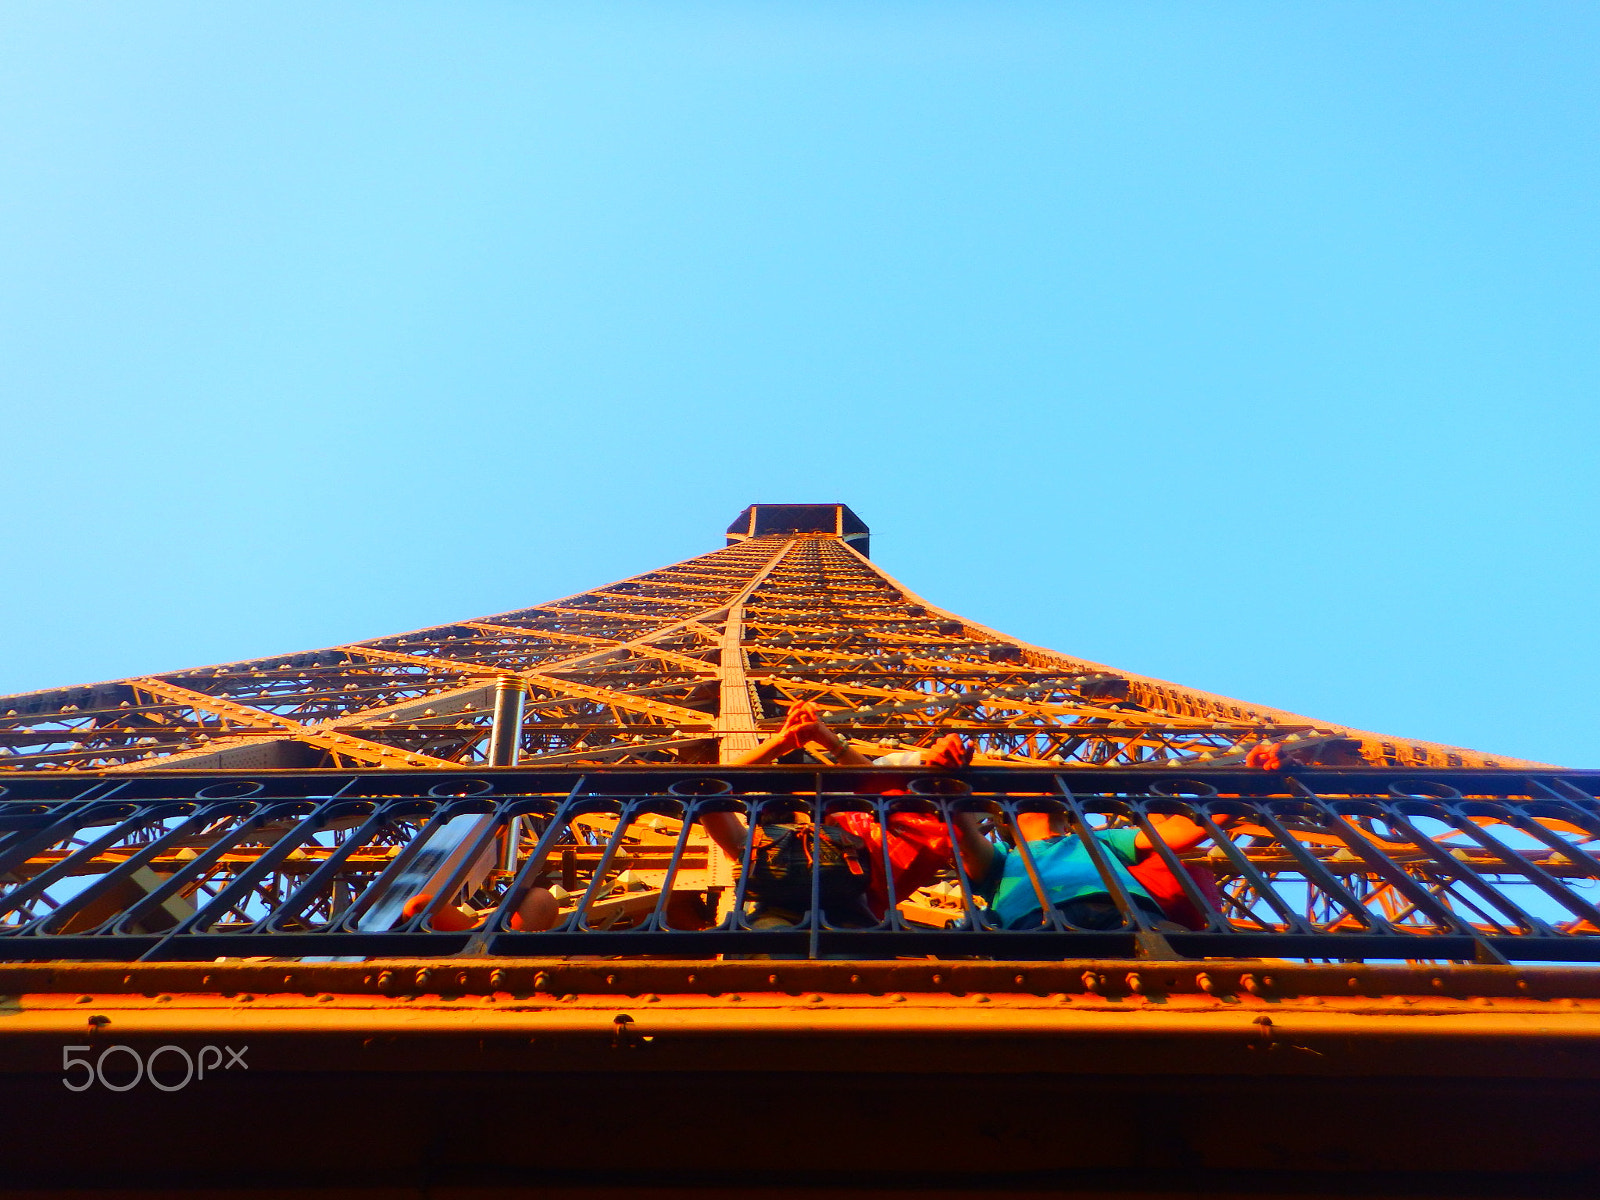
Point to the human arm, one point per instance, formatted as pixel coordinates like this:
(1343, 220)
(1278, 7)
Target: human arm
(770, 750)
(977, 851)
(1179, 833)
(841, 749)
(803, 727)
(727, 830)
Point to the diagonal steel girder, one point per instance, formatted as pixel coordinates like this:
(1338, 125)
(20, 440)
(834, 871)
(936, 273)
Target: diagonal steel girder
(329, 735)
(616, 699)
(671, 656)
(323, 736)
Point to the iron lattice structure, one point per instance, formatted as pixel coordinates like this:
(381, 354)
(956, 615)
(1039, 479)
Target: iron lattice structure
(296, 805)
(686, 664)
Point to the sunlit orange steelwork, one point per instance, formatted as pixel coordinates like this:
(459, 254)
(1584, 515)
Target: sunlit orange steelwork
(466, 1071)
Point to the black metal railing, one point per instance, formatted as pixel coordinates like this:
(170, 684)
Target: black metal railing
(1375, 865)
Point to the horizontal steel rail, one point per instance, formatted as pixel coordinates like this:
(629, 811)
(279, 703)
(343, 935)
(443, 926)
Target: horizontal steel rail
(1372, 865)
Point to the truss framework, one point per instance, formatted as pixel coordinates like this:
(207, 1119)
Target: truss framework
(676, 671)
(686, 664)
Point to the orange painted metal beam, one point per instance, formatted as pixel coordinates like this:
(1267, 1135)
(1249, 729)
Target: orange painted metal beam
(325, 737)
(698, 665)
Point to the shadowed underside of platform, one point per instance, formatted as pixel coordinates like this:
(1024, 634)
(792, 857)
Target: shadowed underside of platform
(559, 1079)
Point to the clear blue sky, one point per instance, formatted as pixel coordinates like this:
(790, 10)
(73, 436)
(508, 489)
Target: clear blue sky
(1251, 346)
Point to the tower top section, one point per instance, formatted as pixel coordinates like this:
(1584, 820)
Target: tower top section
(837, 519)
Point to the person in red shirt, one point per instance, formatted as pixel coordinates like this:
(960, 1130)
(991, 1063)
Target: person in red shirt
(918, 844)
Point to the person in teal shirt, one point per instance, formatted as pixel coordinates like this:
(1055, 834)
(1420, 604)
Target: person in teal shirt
(1067, 872)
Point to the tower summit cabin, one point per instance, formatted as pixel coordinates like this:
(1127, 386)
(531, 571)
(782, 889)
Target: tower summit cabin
(765, 520)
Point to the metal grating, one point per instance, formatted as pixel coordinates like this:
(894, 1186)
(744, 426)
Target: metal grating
(1311, 865)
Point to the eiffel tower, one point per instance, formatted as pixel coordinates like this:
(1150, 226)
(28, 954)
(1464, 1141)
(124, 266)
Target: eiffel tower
(275, 926)
(687, 664)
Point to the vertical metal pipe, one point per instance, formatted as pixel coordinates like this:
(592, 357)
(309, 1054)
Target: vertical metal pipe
(506, 732)
(505, 740)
